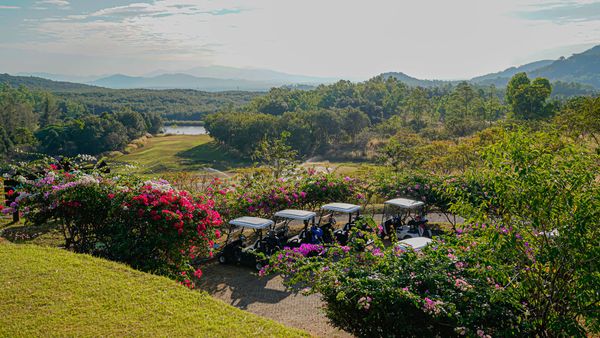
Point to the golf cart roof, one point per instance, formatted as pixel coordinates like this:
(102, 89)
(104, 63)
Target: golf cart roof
(252, 222)
(341, 207)
(417, 243)
(296, 214)
(405, 203)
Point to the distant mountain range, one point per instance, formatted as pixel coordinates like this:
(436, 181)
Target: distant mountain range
(583, 68)
(206, 78)
(502, 78)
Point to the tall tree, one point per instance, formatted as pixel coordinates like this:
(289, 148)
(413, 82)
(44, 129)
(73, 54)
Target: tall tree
(528, 98)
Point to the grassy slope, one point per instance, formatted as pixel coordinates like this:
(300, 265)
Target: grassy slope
(173, 153)
(180, 153)
(48, 291)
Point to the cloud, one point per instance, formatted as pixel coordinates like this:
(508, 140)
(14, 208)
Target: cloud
(9, 7)
(565, 12)
(162, 8)
(60, 3)
(458, 39)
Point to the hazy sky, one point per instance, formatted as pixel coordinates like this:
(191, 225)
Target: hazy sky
(445, 39)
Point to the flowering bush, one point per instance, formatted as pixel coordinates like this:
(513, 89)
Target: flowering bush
(525, 263)
(260, 195)
(444, 290)
(149, 225)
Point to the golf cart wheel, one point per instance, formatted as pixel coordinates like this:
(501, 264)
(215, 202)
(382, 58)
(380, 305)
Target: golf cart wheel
(258, 266)
(222, 259)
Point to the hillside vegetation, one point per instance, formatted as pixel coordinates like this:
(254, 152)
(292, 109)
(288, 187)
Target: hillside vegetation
(66, 294)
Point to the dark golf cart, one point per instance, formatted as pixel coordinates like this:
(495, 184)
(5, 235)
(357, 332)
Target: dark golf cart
(254, 255)
(311, 233)
(405, 217)
(328, 221)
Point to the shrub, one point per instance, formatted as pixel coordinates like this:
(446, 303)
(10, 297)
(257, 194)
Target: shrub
(149, 225)
(450, 288)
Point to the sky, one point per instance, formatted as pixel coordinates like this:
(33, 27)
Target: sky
(348, 39)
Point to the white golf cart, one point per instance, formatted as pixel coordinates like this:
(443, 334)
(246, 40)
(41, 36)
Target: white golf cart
(406, 217)
(312, 234)
(328, 221)
(239, 252)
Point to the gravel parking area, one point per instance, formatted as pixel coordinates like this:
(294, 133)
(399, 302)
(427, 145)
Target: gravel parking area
(266, 296)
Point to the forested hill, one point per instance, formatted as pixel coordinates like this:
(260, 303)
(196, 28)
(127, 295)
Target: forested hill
(38, 83)
(500, 79)
(414, 82)
(172, 104)
(582, 68)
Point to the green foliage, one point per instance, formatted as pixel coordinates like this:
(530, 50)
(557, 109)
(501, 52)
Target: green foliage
(545, 191)
(344, 119)
(528, 98)
(148, 225)
(580, 118)
(277, 155)
(65, 127)
(447, 289)
(524, 264)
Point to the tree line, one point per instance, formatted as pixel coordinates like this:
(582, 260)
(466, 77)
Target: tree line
(348, 119)
(39, 121)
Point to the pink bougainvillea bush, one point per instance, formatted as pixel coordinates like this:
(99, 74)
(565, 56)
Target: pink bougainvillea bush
(147, 224)
(261, 195)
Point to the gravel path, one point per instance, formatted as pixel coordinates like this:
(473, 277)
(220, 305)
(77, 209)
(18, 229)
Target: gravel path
(266, 296)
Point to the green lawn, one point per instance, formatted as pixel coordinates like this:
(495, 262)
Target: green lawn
(172, 153)
(52, 292)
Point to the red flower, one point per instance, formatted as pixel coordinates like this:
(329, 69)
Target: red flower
(198, 273)
(53, 167)
(111, 196)
(10, 193)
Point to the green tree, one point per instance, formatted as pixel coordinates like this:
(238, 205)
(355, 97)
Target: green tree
(528, 98)
(277, 155)
(133, 122)
(47, 108)
(353, 122)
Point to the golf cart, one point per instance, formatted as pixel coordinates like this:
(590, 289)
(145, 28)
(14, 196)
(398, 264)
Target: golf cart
(239, 252)
(406, 217)
(312, 235)
(328, 212)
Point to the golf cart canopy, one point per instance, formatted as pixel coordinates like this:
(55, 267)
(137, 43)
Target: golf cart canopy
(296, 214)
(252, 222)
(341, 207)
(405, 203)
(417, 243)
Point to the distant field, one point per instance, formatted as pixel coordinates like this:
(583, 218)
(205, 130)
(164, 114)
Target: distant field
(172, 153)
(55, 293)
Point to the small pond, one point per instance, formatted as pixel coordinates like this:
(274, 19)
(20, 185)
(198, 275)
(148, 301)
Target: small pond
(184, 130)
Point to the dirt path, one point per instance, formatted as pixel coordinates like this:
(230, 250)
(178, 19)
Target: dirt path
(266, 296)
